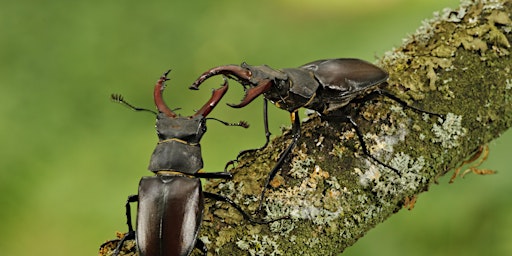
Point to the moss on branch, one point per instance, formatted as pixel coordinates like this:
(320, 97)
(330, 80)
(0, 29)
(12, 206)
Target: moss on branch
(457, 64)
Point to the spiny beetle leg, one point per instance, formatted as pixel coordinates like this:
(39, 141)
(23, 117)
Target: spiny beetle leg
(201, 246)
(131, 199)
(130, 234)
(365, 148)
(267, 135)
(389, 95)
(213, 175)
(295, 137)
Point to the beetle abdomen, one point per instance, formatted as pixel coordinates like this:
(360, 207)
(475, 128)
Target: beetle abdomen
(170, 212)
(350, 75)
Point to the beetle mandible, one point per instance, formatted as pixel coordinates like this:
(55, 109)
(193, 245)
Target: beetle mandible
(170, 204)
(325, 86)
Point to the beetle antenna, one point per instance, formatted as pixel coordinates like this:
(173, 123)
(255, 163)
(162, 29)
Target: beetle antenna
(242, 123)
(120, 99)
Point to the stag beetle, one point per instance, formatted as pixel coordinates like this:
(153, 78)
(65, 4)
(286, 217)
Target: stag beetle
(170, 204)
(325, 86)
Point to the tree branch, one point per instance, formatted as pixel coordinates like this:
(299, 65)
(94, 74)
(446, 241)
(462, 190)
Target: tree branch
(457, 64)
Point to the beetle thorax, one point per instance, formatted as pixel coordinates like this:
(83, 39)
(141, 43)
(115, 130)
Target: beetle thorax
(187, 129)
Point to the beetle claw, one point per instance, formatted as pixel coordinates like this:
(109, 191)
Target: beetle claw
(228, 70)
(216, 96)
(252, 93)
(159, 102)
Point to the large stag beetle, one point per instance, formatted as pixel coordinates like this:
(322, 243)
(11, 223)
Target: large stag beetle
(170, 204)
(325, 86)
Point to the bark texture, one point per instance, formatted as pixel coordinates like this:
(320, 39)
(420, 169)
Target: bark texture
(457, 64)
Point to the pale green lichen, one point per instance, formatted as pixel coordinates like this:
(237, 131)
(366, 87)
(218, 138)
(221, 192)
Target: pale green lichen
(300, 167)
(449, 131)
(468, 29)
(371, 174)
(405, 163)
(337, 150)
(303, 201)
(408, 181)
(398, 109)
(258, 245)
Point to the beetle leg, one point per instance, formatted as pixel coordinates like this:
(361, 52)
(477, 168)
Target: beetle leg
(253, 92)
(267, 135)
(131, 199)
(295, 137)
(201, 246)
(365, 149)
(404, 104)
(265, 123)
(389, 95)
(213, 175)
(239, 209)
(131, 233)
(127, 236)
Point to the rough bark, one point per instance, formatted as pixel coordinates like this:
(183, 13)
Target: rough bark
(457, 64)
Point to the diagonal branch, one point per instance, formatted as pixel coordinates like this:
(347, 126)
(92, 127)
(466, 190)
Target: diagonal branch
(457, 64)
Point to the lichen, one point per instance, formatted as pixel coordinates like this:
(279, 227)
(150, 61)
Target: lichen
(305, 202)
(258, 245)
(449, 131)
(300, 167)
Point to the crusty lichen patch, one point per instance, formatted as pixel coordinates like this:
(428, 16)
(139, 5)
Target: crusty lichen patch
(480, 27)
(449, 131)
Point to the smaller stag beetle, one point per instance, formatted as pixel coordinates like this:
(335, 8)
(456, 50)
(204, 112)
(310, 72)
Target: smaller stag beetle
(170, 204)
(326, 86)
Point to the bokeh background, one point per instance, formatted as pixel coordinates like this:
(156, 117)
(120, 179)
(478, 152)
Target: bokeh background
(69, 156)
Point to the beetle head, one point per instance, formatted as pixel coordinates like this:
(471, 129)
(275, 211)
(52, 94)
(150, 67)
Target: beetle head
(191, 128)
(256, 80)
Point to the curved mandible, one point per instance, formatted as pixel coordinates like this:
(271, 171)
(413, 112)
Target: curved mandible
(157, 94)
(253, 92)
(216, 96)
(234, 70)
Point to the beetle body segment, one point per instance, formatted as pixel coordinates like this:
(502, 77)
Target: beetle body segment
(189, 129)
(170, 212)
(341, 81)
(176, 155)
(178, 148)
(346, 75)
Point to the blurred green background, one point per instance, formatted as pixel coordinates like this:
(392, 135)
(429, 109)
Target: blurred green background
(70, 157)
